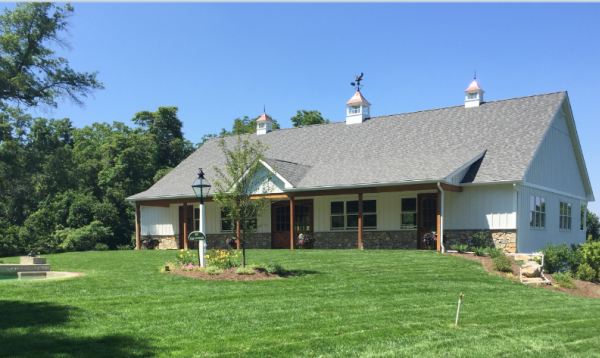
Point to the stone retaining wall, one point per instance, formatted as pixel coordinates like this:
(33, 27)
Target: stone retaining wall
(165, 242)
(371, 240)
(504, 239)
(259, 241)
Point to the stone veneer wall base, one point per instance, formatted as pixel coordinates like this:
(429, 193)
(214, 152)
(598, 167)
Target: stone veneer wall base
(504, 239)
(391, 240)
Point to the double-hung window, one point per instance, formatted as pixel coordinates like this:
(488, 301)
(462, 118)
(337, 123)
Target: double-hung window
(344, 215)
(409, 213)
(227, 224)
(196, 219)
(582, 225)
(537, 212)
(565, 216)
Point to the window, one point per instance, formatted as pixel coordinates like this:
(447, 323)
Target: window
(227, 224)
(537, 212)
(344, 215)
(226, 221)
(472, 95)
(409, 213)
(565, 216)
(354, 109)
(196, 219)
(366, 110)
(261, 125)
(582, 225)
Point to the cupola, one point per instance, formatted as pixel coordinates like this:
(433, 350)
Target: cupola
(473, 95)
(264, 124)
(358, 109)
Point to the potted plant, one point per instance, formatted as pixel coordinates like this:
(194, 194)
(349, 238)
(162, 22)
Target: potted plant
(231, 242)
(149, 243)
(429, 240)
(305, 241)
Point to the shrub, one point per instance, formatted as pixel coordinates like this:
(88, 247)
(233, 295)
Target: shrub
(101, 247)
(502, 263)
(124, 247)
(585, 272)
(563, 279)
(275, 269)
(223, 259)
(460, 248)
(245, 271)
(560, 258)
(495, 252)
(479, 251)
(83, 238)
(212, 270)
(480, 239)
(186, 257)
(590, 253)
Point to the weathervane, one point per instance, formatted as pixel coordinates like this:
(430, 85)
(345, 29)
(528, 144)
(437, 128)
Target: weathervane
(357, 83)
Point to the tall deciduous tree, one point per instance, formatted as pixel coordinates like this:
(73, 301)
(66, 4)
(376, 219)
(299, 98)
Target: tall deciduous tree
(592, 226)
(30, 74)
(305, 118)
(164, 124)
(240, 186)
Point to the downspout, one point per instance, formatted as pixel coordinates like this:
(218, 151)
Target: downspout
(515, 188)
(441, 233)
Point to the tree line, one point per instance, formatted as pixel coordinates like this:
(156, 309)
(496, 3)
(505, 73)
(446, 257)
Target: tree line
(63, 188)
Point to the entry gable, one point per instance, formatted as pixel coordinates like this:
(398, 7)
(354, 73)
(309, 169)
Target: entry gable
(558, 162)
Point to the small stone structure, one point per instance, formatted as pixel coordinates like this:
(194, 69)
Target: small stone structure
(504, 239)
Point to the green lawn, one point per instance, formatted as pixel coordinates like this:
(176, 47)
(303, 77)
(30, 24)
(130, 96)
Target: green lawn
(345, 303)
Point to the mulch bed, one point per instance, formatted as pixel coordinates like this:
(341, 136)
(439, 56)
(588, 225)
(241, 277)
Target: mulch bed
(584, 288)
(229, 274)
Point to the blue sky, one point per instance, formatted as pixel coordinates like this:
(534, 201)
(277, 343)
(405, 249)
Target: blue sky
(217, 62)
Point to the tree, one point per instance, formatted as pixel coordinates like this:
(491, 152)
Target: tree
(239, 185)
(592, 231)
(30, 74)
(305, 118)
(167, 128)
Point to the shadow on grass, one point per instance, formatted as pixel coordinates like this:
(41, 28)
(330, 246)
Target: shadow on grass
(22, 326)
(299, 273)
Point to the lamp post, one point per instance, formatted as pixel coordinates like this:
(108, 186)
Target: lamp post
(201, 188)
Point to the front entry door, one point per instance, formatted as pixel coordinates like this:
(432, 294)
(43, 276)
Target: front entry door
(190, 225)
(280, 222)
(427, 217)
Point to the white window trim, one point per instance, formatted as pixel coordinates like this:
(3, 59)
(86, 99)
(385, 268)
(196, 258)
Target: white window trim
(535, 211)
(561, 216)
(345, 215)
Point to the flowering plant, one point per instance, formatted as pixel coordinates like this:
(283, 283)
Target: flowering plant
(191, 267)
(231, 242)
(150, 242)
(222, 259)
(185, 257)
(429, 239)
(305, 240)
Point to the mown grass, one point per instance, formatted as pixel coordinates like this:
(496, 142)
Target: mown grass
(342, 304)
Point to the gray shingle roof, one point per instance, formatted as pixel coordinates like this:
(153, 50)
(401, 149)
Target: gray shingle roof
(418, 146)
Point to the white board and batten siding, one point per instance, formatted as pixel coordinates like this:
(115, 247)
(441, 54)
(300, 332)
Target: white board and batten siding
(482, 207)
(555, 164)
(532, 239)
(165, 221)
(555, 174)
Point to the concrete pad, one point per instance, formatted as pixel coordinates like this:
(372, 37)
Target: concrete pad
(14, 268)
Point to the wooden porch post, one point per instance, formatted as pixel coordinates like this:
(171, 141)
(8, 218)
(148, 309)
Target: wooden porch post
(291, 223)
(185, 228)
(137, 226)
(439, 220)
(360, 220)
(237, 235)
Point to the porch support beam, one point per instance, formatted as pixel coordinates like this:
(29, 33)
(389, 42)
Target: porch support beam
(378, 189)
(165, 203)
(360, 221)
(439, 220)
(237, 234)
(137, 227)
(450, 187)
(185, 228)
(292, 223)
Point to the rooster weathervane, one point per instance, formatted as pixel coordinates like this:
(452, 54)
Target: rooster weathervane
(356, 84)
